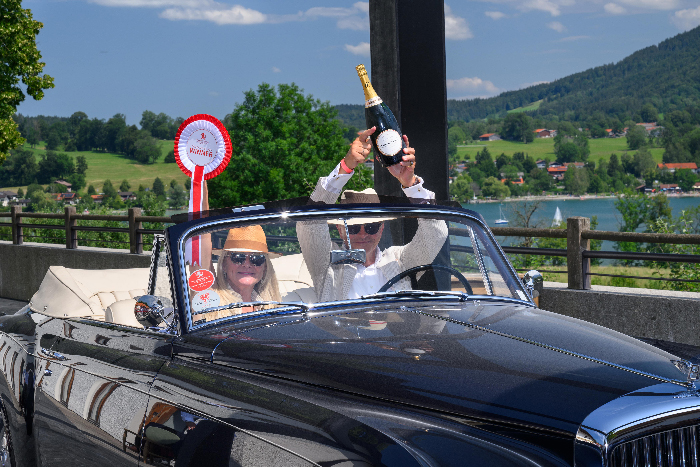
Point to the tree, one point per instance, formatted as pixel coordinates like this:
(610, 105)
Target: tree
(91, 190)
(636, 137)
(32, 188)
(494, 188)
(484, 163)
(108, 190)
(20, 62)
(20, 193)
(685, 179)
(283, 141)
(147, 149)
(125, 185)
(518, 127)
(54, 165)
(643, 161)
(81, 164)
(567, 152)
(173, 182)
(159, 188)
(461, 188)
(170, 157)
(177, 197)
(455, 136)
(649, 113)
(188, 184)
(19, 169)
(576, 181)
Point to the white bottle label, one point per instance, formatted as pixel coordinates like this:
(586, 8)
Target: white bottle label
(389, 142)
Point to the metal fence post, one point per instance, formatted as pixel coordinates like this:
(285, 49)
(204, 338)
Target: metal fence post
(17, 236)
(71, 233)
(135, 237)
(578, 266)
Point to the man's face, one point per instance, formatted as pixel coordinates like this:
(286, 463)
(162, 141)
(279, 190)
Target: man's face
(360, 238)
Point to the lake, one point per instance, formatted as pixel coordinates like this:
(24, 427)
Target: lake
(608, 217)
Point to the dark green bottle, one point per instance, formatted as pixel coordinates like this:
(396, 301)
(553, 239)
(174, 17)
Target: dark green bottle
(387, 139)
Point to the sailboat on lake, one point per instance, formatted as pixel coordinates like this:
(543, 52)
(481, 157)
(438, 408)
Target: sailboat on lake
(558, 219)
(501, 219)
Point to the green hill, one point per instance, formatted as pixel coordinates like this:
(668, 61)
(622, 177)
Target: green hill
(666, 75)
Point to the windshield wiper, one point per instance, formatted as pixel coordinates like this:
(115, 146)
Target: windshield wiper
(419, 293)
(303, 306)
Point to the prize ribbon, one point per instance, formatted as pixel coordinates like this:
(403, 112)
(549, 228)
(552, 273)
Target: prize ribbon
(202, 151)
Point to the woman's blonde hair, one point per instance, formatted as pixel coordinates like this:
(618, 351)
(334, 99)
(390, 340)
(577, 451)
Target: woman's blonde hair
(267, 289)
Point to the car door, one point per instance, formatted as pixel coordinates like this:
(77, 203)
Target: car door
(93, 392)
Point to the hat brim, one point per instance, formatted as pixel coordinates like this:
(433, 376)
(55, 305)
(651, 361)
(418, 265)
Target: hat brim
(270, 254)
(360, 220)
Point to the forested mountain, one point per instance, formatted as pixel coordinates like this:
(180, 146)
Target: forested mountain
(665, 75)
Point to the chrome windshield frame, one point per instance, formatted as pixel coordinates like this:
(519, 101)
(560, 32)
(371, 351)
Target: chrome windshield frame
(201, 226)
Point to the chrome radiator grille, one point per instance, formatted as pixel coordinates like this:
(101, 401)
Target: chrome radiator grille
(674, 448)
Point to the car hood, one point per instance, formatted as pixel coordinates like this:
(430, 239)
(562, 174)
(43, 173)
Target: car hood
(483, 359)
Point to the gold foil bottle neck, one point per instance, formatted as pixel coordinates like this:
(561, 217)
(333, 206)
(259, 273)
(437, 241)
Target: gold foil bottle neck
(370, 93)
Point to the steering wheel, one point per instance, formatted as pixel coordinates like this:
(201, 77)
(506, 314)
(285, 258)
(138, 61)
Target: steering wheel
(425, 267)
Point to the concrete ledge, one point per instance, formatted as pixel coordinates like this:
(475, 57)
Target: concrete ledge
(22, 267)
(648, 313)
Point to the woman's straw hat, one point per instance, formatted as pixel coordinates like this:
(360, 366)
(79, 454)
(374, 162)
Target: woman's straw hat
(250, 239)
(366, 196)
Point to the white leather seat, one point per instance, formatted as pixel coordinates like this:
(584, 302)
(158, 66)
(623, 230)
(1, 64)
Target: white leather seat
(294, 280)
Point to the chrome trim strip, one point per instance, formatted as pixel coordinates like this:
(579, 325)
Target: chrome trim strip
(557, 349)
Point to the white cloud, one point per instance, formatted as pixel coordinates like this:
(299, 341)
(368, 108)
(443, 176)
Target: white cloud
(472, 85)
(360, 49)
(276, 70)
(356, 17)
(553, 7)
(233, 15)
(151, 3)
(496, 15)
(652, 4)
(557, 26)
(614, 9)
(213, 94)
(573, 38)
(686, 19)
(456, 28)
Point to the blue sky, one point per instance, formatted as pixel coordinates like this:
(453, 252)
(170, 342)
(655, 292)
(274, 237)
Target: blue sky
(184, 57)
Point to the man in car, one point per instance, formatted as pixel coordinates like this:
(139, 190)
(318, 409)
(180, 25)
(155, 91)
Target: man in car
(343, 281)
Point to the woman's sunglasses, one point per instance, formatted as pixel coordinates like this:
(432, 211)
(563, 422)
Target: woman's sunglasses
(256, 259)
(371, 229)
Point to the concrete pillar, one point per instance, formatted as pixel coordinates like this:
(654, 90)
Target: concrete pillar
(577, 265)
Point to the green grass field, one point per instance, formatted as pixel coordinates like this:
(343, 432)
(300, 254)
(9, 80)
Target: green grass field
(527, 108)
(542, 148)
(116, 167)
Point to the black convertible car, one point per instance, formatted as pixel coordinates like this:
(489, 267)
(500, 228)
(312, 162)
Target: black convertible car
(445, 362)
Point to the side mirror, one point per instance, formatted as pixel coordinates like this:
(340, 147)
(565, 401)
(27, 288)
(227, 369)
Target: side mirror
(534, 283)
(149, 311)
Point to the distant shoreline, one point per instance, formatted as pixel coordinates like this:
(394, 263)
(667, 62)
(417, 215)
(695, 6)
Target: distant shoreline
(563, 198)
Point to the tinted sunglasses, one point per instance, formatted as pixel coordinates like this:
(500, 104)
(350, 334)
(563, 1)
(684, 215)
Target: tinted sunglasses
(256, 259)
(371, 229)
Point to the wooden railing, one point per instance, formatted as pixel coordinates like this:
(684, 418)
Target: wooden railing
(578, 235)
(578, 251)
(70, 225)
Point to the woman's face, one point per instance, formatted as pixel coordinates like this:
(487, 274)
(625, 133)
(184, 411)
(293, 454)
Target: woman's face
(244, 275)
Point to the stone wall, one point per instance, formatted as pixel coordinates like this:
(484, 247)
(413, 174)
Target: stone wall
(22, 267)
(653, 314)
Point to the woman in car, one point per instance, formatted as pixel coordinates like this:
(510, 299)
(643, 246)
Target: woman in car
(243, 270)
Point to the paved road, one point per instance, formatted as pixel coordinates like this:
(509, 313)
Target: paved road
(688, 352)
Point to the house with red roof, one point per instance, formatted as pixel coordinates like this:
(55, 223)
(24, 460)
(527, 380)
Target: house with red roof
(673, 166)
(489, 137)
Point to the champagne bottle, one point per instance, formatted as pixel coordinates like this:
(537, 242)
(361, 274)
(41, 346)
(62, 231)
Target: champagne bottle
(387, 139)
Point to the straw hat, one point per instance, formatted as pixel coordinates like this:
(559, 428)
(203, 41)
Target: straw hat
(366, 196)
(250, 239)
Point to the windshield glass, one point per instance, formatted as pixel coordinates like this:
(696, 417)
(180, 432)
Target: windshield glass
(314, 258)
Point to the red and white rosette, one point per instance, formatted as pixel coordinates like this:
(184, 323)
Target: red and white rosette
(202, 150)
